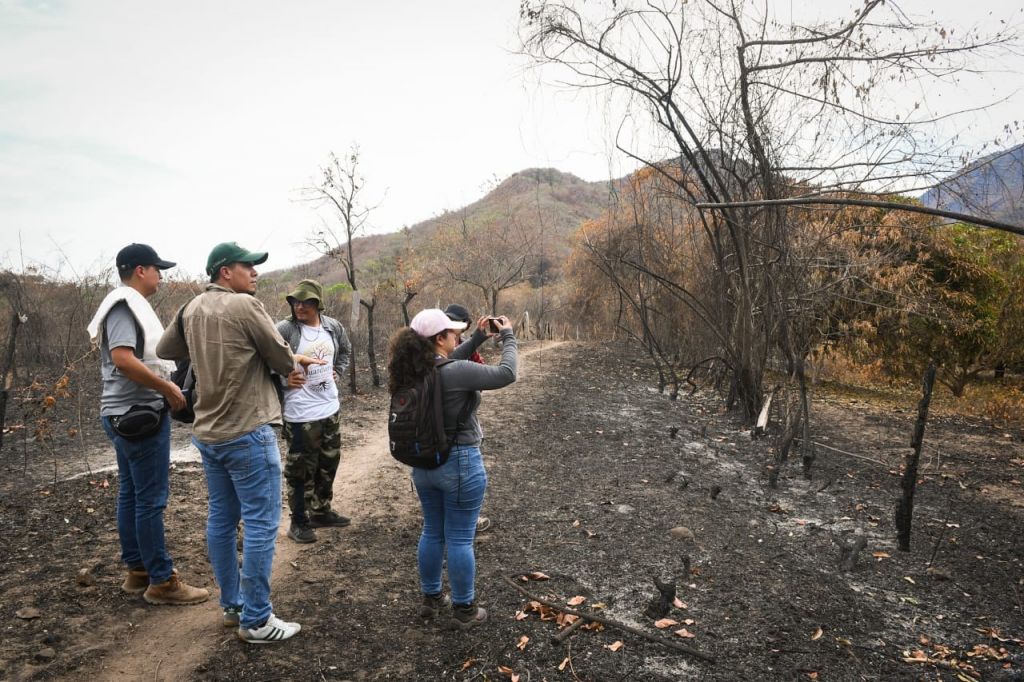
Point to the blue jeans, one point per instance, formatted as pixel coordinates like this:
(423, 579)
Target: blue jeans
(451, 496)
(243, 478)
(142, 474)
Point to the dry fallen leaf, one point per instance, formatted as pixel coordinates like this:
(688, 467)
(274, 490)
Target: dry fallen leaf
(536, 575)
(576, 601)
(523, 641)
(917, 656)
(521, 615)
(813, 675)
(576, 523)
(665, 622)
(565, 662)
(909, 579)
(470, 662)
(688, 621)
(614, 646)
(880, 555)
(678, 603)
(683, 632)
(817, 634)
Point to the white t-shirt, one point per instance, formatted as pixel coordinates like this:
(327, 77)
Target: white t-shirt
(318, 398)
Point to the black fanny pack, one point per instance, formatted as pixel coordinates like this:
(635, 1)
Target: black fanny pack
(140, 421)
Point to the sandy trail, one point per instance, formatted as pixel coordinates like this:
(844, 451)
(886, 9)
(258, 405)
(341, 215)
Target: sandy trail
(172, 641)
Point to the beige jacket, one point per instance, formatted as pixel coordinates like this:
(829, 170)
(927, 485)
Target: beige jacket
(234, 346)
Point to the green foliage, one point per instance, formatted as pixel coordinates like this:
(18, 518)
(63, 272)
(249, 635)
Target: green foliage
(964, 306)
(339, 289)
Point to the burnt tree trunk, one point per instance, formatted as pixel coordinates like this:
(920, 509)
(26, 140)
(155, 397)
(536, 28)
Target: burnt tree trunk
(794, 415)
(905, 505)
(5, 377)
(371, 351)
(352, 386)
(807, 444)
(405, 307)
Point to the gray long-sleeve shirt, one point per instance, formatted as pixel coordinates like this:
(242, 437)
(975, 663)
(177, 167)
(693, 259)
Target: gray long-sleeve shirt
(463, 380)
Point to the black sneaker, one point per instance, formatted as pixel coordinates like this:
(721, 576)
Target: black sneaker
(301, 533)
(432, 604)
(467, 616)
(329, 519)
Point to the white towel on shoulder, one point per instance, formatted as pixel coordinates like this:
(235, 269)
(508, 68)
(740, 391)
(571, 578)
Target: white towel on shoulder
(151, 328)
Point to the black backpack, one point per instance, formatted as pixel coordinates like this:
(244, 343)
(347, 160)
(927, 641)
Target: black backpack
(416, 422)
(185, 379)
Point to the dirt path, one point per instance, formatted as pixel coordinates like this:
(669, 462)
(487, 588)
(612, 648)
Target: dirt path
(170, 643)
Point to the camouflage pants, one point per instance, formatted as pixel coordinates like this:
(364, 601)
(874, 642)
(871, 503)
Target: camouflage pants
(314, 452)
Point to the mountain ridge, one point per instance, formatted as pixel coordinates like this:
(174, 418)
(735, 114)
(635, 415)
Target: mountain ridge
(992, 186)
(555, 200)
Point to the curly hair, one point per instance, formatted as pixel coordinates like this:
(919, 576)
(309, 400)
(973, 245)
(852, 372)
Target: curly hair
(410, 358)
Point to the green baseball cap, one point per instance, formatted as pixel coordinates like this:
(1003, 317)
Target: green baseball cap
(307, 289)
(226, 253)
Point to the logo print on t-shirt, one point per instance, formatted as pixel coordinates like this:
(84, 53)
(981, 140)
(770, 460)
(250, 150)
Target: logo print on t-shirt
(319, 376)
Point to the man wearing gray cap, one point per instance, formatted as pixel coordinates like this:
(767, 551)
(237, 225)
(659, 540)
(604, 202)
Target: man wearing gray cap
(234, 347)
(134, 415)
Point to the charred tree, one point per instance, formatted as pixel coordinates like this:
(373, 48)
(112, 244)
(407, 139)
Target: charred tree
(5, 376)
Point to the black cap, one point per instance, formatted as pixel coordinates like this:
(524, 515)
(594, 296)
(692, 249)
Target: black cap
(458, 313)
(135, 255)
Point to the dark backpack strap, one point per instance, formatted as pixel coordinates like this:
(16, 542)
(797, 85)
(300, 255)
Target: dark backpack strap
(181, 322)
(140, 337)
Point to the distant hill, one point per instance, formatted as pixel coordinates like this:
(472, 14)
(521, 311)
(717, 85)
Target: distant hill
(559, 201)
(992, 187)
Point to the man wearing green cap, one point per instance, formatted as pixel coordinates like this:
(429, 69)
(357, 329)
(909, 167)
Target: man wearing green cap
(311, 413)
(234, 347)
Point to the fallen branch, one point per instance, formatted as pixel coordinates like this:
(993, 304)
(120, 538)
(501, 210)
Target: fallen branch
(562, 635)
(611, 623)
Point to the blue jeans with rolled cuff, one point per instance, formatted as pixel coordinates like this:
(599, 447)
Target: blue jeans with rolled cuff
(451, 496)
(243, 478)
(143, 471)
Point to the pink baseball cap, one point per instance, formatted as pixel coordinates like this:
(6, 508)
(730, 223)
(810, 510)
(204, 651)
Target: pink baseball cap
(433, 321)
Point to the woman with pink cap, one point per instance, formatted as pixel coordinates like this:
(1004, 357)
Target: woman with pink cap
(451, 495)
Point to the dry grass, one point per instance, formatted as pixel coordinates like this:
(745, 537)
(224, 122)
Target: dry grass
(1000, 401)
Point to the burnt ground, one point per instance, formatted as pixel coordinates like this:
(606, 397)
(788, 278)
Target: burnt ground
(590, 470)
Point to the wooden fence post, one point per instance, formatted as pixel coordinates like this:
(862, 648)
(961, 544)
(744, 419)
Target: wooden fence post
(905, 505)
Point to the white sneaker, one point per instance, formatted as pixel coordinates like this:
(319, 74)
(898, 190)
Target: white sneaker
(275, 630)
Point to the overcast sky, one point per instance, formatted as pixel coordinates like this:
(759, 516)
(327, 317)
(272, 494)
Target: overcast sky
(186, 123)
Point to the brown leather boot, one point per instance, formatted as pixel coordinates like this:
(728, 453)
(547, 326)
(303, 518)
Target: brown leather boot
(175, 592)
(137, 581)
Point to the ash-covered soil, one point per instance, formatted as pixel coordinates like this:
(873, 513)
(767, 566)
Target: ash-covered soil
(603, 485)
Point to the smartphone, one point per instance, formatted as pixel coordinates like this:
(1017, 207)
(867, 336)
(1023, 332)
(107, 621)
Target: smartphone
(492, 324)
